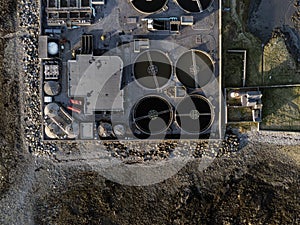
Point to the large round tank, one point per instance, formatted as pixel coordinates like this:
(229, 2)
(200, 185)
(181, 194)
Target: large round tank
(52, 88)
(194, 114)
(147, 7)
(194, 69)
(194, 5)
(152, 114)
(51, 110)
(152, 69)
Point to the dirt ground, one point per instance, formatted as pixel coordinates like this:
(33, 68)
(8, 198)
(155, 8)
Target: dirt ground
(257, 185)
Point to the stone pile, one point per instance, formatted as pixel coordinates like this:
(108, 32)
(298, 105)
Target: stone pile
(160, 150)
(141, 151)
(217, 148)
(28, 13)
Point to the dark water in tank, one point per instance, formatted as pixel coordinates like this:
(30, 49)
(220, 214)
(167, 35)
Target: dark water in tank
(153, 72)
(149, 6)
(152, 114)
(192, 6)
(194, 114)
(194, 75)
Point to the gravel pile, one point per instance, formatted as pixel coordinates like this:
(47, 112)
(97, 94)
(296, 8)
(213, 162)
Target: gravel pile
(141, 151)
(160, 150)
(28, 13)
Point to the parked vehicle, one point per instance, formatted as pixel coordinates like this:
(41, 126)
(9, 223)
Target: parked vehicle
(74, 109)
(75, 101)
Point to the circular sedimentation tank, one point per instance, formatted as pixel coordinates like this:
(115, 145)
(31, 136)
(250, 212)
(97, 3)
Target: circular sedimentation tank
(194, 69)
(194, 114)
(152, 69)
(152, 115)
(149, 6)
(194, 6)
(52, 88)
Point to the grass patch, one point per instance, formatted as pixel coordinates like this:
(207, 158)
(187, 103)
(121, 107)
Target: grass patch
(240, 114)
(236, 36)
(281, 110)
(234, 76)
(279, 65)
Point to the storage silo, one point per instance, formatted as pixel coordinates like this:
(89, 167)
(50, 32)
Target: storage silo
(52, 88)
(51, 110)
(52, 48)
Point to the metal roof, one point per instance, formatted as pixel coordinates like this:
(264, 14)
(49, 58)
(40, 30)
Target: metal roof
(98, 79)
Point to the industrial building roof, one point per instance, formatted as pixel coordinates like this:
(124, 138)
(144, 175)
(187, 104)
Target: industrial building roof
(86, 130)
(51, 71)
(98, 79)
